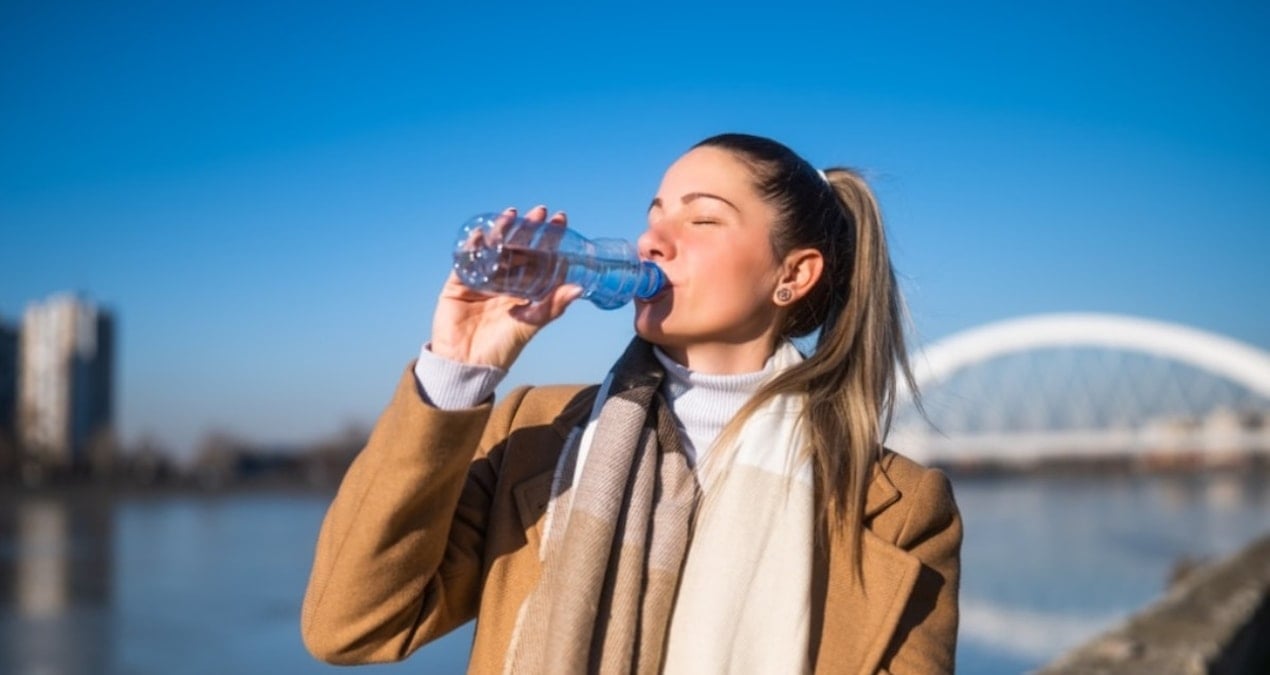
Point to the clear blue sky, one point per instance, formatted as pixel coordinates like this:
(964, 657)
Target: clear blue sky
(265, 192)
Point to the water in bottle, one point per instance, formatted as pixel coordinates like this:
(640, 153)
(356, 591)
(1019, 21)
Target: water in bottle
(501, 254)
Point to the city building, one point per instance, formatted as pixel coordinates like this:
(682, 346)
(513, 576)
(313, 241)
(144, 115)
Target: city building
(8, 395)
(66, 384)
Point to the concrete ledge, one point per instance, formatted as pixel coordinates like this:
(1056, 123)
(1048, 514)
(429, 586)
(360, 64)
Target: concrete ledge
(1214, 620)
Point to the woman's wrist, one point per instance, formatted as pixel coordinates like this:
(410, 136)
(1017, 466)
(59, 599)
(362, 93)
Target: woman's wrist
(451, 384)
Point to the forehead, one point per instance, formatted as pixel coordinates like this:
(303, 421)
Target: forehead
(710, 168)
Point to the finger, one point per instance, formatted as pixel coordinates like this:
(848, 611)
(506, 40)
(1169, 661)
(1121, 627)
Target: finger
(503, 224)
(524, 235)
(537, 214)
(554, 232)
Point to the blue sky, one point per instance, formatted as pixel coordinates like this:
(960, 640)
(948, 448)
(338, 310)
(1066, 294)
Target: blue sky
(265, 192)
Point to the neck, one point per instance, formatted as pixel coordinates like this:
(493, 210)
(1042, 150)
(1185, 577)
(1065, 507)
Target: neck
(716, 358)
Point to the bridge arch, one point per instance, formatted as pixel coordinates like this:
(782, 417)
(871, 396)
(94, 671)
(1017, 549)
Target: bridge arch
(1016, 420)
(1217, 354)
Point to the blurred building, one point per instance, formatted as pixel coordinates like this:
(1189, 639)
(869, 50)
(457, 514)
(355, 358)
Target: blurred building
(66, 384)
(8, 394)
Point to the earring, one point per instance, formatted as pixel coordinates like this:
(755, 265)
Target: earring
(784, 295)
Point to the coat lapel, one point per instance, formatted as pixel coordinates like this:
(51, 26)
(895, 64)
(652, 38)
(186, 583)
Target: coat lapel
(860, 615)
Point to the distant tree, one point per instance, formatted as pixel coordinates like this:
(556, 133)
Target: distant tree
(216, 459)
(147, 462)
(101, 453)
(326, 461)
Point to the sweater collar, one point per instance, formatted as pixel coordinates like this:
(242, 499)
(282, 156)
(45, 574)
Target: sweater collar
(680, 379)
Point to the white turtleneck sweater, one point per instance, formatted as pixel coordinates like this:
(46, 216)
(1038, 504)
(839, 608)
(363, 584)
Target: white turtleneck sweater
(702, 404)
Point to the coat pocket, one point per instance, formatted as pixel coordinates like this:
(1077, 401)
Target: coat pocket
(532, 496)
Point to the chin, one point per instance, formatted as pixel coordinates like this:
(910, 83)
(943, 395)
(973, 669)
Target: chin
(650, 331)
(650, 324)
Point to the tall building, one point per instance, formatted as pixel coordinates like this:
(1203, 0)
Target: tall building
(8, 376)
(8, 395)
(66, 382)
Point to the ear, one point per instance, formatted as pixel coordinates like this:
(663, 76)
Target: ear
(800, 271)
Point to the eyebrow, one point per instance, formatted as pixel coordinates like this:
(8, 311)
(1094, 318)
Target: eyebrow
(695, 195)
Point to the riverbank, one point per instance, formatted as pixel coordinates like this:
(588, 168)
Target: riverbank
(1213, 620)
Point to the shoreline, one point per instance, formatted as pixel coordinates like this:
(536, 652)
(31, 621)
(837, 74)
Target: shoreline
(1110, 470)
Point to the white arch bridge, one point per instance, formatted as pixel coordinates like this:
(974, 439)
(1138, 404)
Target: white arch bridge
(1085, 385)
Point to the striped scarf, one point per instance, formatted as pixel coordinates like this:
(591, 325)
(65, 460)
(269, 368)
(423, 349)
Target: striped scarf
(616, 544)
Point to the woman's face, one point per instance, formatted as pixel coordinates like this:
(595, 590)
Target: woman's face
(709, 230)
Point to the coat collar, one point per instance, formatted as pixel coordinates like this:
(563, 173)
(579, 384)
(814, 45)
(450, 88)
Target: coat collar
(576, 411)
(882, 492)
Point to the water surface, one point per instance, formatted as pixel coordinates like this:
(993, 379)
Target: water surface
(193, 583)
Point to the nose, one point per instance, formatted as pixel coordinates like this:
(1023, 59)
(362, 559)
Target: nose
(655, 243)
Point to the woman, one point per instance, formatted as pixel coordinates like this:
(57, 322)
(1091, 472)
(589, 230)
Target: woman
(720, 503)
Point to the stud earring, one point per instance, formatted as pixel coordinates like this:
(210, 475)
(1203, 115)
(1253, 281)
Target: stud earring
(784, 295)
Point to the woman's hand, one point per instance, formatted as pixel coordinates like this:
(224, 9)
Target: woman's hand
(491, 330)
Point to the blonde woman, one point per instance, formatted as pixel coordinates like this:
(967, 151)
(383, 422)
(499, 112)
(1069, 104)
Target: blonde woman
(721, 503)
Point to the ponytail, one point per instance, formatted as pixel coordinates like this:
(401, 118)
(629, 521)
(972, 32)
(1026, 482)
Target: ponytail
(849, 379)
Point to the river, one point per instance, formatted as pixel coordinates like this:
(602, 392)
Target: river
(92, 582)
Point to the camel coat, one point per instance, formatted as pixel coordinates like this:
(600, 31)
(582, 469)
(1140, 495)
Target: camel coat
(438, 522)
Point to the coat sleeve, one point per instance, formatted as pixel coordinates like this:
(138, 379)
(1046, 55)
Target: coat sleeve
(925, 640)
(399, 556)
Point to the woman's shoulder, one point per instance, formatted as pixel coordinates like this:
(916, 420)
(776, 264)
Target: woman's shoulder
(913, 498)
(903, 471)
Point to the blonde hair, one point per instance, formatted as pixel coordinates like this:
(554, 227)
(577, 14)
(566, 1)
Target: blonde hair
(850, 377)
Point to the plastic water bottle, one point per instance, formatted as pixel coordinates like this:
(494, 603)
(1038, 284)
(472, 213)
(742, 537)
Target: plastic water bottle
(501, 254)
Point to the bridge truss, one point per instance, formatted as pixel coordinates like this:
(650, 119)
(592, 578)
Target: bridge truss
(1068, 385)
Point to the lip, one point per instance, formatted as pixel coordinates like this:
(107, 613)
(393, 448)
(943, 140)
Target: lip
(665, 290)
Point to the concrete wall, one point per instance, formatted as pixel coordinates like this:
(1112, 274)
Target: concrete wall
(1214, 620)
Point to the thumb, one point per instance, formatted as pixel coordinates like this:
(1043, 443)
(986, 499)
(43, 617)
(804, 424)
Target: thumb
(562, 297)
(548, 309)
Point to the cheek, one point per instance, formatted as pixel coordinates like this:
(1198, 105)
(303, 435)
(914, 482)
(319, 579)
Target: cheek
(732, 292)
(728, 259)
(723, 273)
(746, 276)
